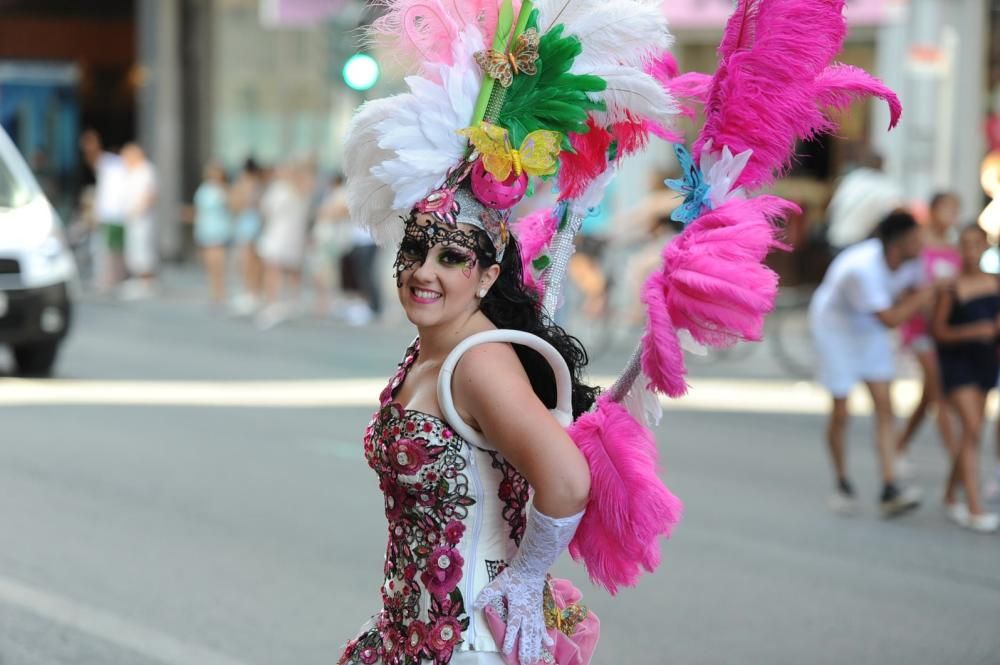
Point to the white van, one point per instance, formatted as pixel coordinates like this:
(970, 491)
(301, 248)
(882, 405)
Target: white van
(37, 271)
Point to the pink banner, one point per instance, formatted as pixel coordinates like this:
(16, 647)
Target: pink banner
(713, 14)
(298, 12)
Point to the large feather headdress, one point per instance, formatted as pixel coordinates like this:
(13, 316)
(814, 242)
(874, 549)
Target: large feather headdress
(501, 92)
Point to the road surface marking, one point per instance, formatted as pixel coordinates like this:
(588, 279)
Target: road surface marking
(714, 395)
(110, 627)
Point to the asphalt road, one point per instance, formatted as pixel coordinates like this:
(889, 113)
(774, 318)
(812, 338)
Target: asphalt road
(145, 518)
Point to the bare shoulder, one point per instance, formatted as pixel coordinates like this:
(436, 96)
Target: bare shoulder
(492, 368)
(489, 362)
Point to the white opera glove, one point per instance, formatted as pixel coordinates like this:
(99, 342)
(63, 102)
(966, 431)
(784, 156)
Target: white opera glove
(521, 583)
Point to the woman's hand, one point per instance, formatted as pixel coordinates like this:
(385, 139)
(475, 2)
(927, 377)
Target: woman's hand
(523, 595)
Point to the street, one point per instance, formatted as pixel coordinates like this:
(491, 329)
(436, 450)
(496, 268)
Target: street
(191, 491)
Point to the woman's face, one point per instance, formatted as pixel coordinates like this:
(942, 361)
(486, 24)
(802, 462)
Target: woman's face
(972, 244)
(438, 276)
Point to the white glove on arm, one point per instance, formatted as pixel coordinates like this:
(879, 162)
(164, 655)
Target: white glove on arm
(522, 581)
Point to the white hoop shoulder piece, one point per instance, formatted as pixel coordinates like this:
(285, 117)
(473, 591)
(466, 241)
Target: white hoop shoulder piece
(563, 413)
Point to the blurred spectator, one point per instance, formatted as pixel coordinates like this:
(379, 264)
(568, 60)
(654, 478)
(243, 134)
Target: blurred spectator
(244, 200)
(285, 209)
(212, 229)
(109, 208)
(140, 225)
(358, 276)
(850, 316)
(965, 325)
(646, 226)
(941, 261)
(329, 238)
(863, 197)
(587, 265)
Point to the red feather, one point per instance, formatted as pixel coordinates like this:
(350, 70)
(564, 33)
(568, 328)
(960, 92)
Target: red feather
(580, 168)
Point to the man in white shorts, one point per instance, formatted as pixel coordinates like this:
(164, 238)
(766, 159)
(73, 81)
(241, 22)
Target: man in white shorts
(870, 287)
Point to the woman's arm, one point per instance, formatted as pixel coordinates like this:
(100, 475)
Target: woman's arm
(906, 307)
(494, 394)
(945, 333)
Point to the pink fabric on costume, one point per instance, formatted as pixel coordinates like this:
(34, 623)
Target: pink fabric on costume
(940, 262)
(575, 650)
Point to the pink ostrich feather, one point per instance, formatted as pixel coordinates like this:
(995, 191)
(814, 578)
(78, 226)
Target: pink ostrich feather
(662, 357)
(715, 284)
(691, 86)
(775, 81)
(840, 85)
(663, 67)
(534, 232)
(630, 508)
(589, 159)
(681, 86)
(423, 31)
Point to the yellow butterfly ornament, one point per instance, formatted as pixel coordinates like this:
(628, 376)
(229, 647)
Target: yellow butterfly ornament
(537, 155)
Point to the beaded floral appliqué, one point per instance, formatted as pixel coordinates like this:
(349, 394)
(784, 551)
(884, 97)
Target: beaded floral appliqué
(421, 474)
(514, 491)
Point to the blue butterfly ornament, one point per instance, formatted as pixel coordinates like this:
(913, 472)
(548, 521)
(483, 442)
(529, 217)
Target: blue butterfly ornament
(692, 186)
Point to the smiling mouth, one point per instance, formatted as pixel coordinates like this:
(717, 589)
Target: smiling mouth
(423, 295)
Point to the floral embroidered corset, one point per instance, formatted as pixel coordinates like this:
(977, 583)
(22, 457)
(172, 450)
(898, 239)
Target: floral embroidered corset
(455, 514)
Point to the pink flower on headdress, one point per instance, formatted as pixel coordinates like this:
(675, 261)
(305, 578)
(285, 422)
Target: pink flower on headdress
(444, 570)
(441, 205)
(406, 456)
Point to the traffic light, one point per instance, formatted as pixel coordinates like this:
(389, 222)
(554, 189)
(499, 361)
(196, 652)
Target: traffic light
(361, 72)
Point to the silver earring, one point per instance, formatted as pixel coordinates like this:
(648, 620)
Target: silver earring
(482, 293)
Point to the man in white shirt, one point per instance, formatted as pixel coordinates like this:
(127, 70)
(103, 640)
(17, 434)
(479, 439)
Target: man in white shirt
(109, 206)
(869, 288)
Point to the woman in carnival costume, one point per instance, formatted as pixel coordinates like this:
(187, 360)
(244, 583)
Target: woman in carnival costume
(484, 486)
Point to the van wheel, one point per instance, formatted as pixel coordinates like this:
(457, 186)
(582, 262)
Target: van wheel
(36, 359)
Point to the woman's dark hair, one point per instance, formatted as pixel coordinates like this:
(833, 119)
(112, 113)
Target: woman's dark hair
(512, 305)
(895, 225)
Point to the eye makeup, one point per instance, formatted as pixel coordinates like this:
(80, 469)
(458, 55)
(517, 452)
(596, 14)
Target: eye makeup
(459, 248)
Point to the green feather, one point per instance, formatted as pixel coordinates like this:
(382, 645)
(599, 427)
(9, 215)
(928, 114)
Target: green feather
(553, 98)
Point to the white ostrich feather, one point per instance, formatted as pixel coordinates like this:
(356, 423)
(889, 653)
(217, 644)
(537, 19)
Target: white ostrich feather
(421, 134)
(369, 200)
(554, 12)
(642, 403)
(633, 91)
(594, 194)
(623, 33)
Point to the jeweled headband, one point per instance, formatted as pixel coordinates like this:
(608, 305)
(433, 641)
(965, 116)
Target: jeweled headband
(459, 205)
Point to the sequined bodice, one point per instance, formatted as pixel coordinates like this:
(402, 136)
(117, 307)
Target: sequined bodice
(455, 514)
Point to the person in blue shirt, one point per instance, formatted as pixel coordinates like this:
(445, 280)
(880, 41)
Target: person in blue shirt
(213, 229)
